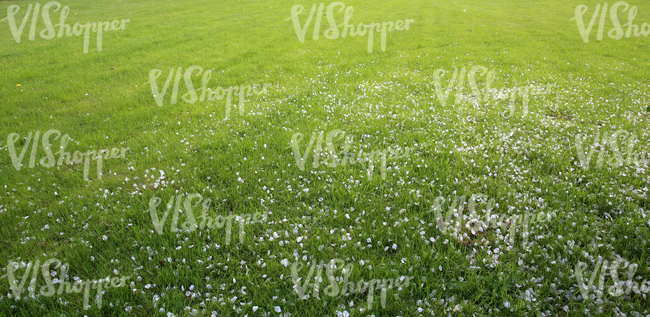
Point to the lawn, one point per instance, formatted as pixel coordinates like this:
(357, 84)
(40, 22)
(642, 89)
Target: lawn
(477, 158)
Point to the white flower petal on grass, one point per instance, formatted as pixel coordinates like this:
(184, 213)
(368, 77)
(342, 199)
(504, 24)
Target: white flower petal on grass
(277, 309)
(285, 262)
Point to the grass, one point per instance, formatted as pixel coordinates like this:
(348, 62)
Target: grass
(245, 164)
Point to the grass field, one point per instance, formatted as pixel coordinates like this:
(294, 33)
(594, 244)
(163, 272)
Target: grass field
(514, 161)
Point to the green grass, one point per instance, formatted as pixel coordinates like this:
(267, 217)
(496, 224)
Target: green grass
(245, 163)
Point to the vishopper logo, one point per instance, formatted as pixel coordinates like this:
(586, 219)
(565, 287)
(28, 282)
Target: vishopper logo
(190, 225)
(475, 223)
(333, 289)
(619, 287)
(617, 160)
(617, 32)
(49, 290)
(511, 93)
(49, 160)
(191, 95)
(333, 33)
(348, 157)
(457, 81)
(48, 33)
